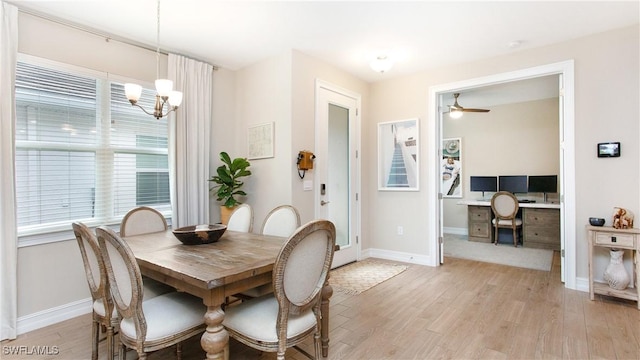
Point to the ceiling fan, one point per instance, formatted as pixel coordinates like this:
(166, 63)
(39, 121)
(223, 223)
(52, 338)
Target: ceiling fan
(455, 110)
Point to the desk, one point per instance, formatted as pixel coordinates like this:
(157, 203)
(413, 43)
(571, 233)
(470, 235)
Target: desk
(237, 262)
(540, 225)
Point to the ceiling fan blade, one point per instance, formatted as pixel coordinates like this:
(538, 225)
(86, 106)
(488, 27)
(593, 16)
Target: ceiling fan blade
(474, 110)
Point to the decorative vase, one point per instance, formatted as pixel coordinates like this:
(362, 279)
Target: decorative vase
(615, 274)
(225, 213)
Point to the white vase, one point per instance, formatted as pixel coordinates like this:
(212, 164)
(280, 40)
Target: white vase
(615, 274)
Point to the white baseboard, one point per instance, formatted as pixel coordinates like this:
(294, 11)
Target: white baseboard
(582, 284)
(397, 256)
(52, 316)
(455, 231)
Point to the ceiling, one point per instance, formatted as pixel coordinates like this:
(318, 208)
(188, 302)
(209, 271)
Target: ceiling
(419, 35)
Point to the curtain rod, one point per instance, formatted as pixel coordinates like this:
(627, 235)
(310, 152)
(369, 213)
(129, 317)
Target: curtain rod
(92, 31)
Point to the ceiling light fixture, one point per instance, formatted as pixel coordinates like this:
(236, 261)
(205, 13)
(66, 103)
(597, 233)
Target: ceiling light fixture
(455, 113)
(381, 64)
(164, 87)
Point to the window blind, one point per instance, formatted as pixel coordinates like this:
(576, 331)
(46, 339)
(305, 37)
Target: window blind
(83, 153)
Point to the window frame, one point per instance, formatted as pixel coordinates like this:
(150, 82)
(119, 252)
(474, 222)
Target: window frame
(31, 235)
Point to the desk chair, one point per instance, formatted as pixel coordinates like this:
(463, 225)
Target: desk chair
(505, 208)
(147, 325)
(287, 317)
(241, 219)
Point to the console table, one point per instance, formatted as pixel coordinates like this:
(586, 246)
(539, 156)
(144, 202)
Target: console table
(540, 223)
(608, 237)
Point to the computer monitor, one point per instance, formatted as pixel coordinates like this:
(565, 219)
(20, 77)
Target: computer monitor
(513, 183)
(483, 183)
(543, 184)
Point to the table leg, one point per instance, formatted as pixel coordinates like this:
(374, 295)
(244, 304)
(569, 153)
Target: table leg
(215, 339)
(327, 291)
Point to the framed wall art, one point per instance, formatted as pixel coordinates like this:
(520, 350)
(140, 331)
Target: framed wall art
(398, 155)
(260, 141)
(451, 168)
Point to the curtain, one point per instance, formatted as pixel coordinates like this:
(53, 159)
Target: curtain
(189, 141)
(8, 225)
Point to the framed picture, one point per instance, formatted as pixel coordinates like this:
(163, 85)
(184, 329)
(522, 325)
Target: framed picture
(260, 141)
(398, 155)
(451, 168)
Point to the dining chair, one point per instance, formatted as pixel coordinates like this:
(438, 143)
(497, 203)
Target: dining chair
(241, 219)
(142, 220)
(152, 324)
(284, 319)
(505, 208)
(280, 221)
(104, 315)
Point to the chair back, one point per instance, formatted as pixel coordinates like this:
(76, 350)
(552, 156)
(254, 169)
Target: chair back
(504, 205)
(94, 266)
(301, 268)
(125, 279)
(142, 220)
(241, 219)
(281, 221)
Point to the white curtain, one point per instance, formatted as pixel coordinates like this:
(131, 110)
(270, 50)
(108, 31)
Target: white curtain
(8, 225)
(189, 141)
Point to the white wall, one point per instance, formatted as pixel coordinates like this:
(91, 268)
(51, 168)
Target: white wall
(606, 109)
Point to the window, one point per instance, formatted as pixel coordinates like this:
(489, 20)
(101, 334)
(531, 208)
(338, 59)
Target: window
(82, 151)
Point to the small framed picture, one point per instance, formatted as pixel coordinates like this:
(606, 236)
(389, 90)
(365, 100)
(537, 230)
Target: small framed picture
(609, 149)
(260, 141)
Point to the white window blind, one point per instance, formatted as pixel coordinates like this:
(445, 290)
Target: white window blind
(83, 153)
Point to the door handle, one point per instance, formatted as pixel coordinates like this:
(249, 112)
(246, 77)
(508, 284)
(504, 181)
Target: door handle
(323, 203)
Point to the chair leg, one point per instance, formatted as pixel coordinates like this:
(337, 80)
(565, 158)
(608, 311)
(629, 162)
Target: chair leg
(495, 241)
(122, 352)
(179, 351)
(95, 334)
(110, 342)
(515, 237)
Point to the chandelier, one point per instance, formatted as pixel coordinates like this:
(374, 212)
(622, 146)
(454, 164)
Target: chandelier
(164, 87)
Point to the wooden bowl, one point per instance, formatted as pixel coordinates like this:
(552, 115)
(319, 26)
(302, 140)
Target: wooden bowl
(200, 234)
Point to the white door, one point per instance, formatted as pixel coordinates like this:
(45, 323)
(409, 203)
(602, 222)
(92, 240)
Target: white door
(337, 167)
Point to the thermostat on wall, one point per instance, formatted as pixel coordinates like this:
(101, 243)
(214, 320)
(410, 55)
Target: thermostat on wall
(609, 149)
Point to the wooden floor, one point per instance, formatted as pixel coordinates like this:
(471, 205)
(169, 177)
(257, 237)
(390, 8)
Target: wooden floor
(462, 310)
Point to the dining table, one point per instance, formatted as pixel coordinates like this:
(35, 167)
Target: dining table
(238, 261)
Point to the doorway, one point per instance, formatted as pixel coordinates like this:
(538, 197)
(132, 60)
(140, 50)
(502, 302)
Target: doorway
(565, 70)
(338, 167)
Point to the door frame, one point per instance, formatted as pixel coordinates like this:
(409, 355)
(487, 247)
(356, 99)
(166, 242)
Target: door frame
(567, 157)
(354, 145)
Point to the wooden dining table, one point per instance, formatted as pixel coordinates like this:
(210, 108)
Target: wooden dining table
(236, 262)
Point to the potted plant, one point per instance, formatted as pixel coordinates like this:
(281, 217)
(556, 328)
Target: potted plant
(228, 187)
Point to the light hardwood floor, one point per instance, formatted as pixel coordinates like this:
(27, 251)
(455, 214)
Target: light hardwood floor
(462, 310)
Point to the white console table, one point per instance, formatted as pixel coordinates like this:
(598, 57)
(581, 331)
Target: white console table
(540, 223)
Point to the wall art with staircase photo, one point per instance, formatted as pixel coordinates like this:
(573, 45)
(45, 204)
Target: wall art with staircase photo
(398, 155)
(451, 168)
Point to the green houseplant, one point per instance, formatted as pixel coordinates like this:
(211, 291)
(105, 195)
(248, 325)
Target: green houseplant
(227, 184)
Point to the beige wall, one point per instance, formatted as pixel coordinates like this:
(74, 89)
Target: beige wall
(606, 109)
(513, 139)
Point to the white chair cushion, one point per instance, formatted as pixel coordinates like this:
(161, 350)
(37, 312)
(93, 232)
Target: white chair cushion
(257, 318)
(98, 308)
(167, 315)
(504, 222)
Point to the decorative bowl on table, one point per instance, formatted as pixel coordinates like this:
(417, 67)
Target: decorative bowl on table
(199, 234)
(596, 221)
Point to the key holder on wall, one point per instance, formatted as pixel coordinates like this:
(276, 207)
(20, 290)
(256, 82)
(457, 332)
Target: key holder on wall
(304, 162)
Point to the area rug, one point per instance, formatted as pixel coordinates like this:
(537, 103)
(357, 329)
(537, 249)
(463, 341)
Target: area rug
(459, 247)
(360, 276)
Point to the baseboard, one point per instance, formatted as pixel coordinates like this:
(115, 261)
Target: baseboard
(54, 315)
(455, 231)
(397, 256)
(582, 284)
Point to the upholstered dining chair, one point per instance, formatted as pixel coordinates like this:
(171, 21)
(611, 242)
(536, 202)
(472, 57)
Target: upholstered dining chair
(280, 221)
(505, 208)
(241, 219)
(142, 220)
(104, 314)
(287, 317)
(152, 324)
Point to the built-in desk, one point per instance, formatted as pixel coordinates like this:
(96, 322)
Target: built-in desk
(540, 223)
